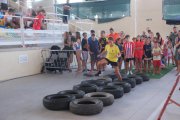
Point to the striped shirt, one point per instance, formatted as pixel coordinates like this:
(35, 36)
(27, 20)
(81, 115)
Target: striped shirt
(129, 49)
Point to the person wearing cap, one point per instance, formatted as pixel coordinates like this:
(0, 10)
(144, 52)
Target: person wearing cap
(113, 53)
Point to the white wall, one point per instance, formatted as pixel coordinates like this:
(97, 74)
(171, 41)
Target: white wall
(11, 68)
(146, 9)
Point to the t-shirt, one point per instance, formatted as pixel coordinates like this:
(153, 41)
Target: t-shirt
(83, 43)
(148, 50)
(173, 37)
(38, 22)
(128, 49)
(120, 46)
(115, 36)
(112, 52)
(103, 42)
(156, 50)
(139, 51)
(93, 45)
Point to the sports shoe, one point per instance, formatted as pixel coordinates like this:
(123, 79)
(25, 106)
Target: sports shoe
(101, 74)
(128, 73)
(98, 73)
(131, 72)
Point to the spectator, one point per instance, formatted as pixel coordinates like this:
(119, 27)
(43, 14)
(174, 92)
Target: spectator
(177, 52)
(84, 52)
(147, 55)
(77, 48)
(173, 35)
(159, 40)
(66, 11)
(114, 35)
(8, 19)
(170, 52)
(38, 21)
(138, 54)
(68, 46)
(120, 46)
(28, 23)
(128, 54)
(93, 50)
(156, 58)
(103, 41)
(165, 54)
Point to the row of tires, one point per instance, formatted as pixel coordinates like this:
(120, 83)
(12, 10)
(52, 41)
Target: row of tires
(89, 97)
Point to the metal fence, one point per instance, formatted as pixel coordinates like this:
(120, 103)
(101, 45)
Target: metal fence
(52, 34)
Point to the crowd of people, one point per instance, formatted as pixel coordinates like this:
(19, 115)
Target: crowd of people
(147, 53)
(32, 19)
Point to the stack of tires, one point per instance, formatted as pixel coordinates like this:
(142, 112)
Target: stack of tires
(89, 97)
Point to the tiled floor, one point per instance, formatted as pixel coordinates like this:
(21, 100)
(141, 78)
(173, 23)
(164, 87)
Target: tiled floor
(21, 99)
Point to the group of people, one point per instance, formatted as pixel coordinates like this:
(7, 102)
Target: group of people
(142, 52)
(9, 18)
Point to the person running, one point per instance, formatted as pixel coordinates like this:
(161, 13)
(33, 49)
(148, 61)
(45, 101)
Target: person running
(112, 56)
(84, 52)
(93, 50)
(128, 54)
(156, 58)
(138, 54)
(147, 55)
(120, 46)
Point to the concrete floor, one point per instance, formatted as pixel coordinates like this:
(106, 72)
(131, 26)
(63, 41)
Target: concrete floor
(21, 99)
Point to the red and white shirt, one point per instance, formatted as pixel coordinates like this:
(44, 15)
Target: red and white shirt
(129, 49)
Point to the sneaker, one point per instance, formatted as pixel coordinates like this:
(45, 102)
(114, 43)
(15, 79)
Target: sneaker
(101, 74)
(128, 73)
(131, 72)
(98, 73)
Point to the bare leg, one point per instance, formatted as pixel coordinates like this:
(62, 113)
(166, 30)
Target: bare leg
(145, 65)
(149, 65)
(116, 70)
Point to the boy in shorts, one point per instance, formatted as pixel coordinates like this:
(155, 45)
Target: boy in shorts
(111, 58)
(84, 44)
(128, 54)
(156, 58)
(93, 50)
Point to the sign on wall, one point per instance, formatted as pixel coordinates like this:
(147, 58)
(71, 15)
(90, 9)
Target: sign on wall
(23, 59)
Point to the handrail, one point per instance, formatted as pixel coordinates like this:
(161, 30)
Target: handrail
(49, 13)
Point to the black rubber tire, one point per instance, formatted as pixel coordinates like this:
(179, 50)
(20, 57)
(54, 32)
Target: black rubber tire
(112, 77)
(131, 76)
(86, 106)
(106, 80)
(77, 93)
(106, 98)
(131, 81)
(86, 87)
(139, 80)
(57, 102)
(144, 77)
(116, 91)
(95, 82)
(126, 86)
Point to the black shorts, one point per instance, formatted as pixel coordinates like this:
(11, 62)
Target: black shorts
(114, 64)
(4, 6)
(129, 59)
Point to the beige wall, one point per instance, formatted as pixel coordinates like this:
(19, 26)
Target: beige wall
(48, 5)
(11, 68)
(146, 9)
